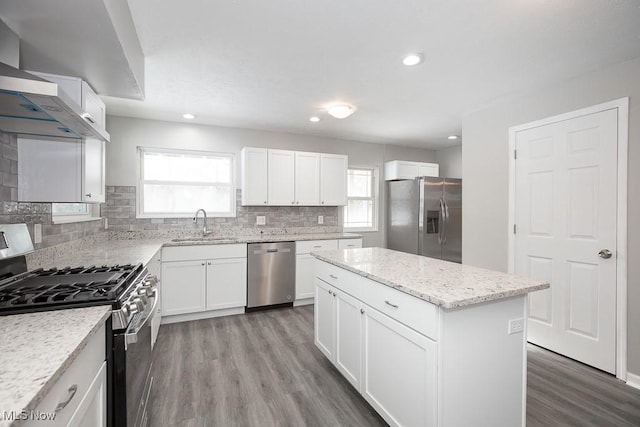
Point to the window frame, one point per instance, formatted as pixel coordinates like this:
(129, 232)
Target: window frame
(178, 151)
(92, 214)
(375, 200)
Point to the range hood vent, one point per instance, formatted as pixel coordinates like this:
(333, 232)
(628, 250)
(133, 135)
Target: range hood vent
(31, 106)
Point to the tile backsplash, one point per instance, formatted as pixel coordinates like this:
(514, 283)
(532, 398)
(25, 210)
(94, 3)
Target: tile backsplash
(120, 211)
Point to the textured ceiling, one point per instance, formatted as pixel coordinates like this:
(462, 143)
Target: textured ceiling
(273, 64)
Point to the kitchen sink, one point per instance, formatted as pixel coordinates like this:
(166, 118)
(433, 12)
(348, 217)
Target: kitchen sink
(206, 239)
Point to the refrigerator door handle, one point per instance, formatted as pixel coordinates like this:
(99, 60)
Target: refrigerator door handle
(441, 224)
(446, 222)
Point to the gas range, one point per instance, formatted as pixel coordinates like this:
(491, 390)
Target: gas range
(127, 288)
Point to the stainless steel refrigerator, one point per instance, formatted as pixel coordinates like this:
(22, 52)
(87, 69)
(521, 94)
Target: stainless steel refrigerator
(424, 217)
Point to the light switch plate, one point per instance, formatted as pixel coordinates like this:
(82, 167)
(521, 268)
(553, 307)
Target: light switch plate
(106, 223)
(261, 220)
(320, 219)
(37, 233)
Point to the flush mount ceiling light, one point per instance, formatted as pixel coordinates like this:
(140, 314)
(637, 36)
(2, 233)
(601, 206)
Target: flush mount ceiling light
(341, 111)
(314, 119)
(412, 59)
(453, 137)
(188, 116)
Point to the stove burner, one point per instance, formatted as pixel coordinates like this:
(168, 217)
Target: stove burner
(66, 287)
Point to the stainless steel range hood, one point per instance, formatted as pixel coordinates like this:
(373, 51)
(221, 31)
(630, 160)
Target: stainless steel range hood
(31, 106)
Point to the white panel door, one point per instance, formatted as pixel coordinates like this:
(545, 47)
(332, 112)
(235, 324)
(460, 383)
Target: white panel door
(307, 178)
(566, 175)
(93, 171)
(305, 276)
(324, 325)
(254, 176)
(183, 287)
(333, 180)
(281, 177)
(226, 283)
(349, 338)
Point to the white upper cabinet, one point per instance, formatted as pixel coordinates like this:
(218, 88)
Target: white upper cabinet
(281, 177)
(254, 176)
(333, 179)
(307, 178)
(292, 178)
(400, 169)
(61, 171)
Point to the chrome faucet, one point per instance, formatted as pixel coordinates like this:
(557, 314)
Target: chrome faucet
(204, 221)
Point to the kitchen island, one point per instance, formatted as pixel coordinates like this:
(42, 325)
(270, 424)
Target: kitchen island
(426, 342)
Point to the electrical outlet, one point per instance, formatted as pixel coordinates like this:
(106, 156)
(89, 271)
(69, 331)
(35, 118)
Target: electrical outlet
(516, 326)
(320, 219)
(261, 220)
(106, 223)
(37, 233)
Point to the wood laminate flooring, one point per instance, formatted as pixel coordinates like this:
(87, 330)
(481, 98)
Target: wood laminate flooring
(263, 369)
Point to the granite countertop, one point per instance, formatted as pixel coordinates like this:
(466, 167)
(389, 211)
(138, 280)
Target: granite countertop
(37, 348)
(135, 247)
(443, 283)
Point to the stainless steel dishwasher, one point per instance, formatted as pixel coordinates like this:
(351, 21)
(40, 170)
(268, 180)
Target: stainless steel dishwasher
(271, 274)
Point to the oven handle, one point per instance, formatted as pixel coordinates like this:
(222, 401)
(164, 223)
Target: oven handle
(132, 337)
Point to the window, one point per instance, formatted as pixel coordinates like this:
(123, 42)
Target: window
(74, 212)
(176, 183)
(361, 211)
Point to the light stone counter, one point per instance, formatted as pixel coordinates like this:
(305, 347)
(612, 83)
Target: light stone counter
(443, 283)
(37, 348)
(135, 247)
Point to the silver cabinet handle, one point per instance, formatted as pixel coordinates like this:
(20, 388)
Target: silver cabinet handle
(88, 195)
(209, 263)
(265, 202)
(441, 223)
(333, 277)
(334, 294)
(392, 305)
(322, 203)
(329, 291)
(72, 392)
(605, 253)
(293, 203)
(318, 246)
(202, 263)
(362, 311)
(446, 222)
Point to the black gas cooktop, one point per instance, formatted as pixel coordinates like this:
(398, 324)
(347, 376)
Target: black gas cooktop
(41, 289)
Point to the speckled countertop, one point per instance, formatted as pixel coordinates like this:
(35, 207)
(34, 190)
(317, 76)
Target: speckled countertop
(443, 283)
(135, 247)
(37, 348)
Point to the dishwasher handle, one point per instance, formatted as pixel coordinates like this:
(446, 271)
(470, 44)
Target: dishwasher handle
(271, 251)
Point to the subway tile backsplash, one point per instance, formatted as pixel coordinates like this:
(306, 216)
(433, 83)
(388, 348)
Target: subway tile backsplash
(120, 211)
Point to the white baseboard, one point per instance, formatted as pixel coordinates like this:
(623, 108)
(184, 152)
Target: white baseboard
(633, 380)
(201, 315)
(304, 301)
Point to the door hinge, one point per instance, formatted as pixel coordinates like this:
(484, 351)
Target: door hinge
(515, 154)
(514, 229)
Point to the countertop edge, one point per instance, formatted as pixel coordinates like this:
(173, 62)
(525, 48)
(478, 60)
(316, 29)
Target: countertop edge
(437, 301)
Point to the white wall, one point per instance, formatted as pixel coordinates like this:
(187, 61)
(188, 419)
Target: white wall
(485, 172)
(450, 161)
(129, 133)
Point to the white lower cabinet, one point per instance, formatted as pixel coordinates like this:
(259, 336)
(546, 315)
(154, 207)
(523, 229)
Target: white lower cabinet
(325, 319)
(215, 280)
(79, 396)
(399, 371)
(348, 351)
(304, 276)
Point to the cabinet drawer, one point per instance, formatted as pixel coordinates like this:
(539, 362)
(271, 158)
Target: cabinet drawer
(349, 243)
(409, 310)
(188, 253)
(80, 375)
(306, 246)
(340, 278)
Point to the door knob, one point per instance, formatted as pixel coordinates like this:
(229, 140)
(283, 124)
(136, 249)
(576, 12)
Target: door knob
(605, 253)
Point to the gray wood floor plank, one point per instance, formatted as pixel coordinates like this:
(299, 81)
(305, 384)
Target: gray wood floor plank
(263, 369)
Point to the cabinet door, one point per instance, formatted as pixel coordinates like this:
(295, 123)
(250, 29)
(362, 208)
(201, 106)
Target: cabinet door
(93, 185)
(183, 287)
(349, 243)
(333, 180)
(92, 104)
(226, 283)
(92, 410)
(254, 176)
(348, 338)
(307, 179)
(324, 326)
(396, 356)
(49, 171)
(305, 275)
(281, 178)
(428, 169)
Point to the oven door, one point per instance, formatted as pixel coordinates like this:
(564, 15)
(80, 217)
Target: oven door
(132, 369)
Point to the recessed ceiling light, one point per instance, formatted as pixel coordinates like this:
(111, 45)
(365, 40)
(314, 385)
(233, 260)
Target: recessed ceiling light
(412, 59)
(341, 111)
(314, 119)
(188, 116)
(453, 137)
